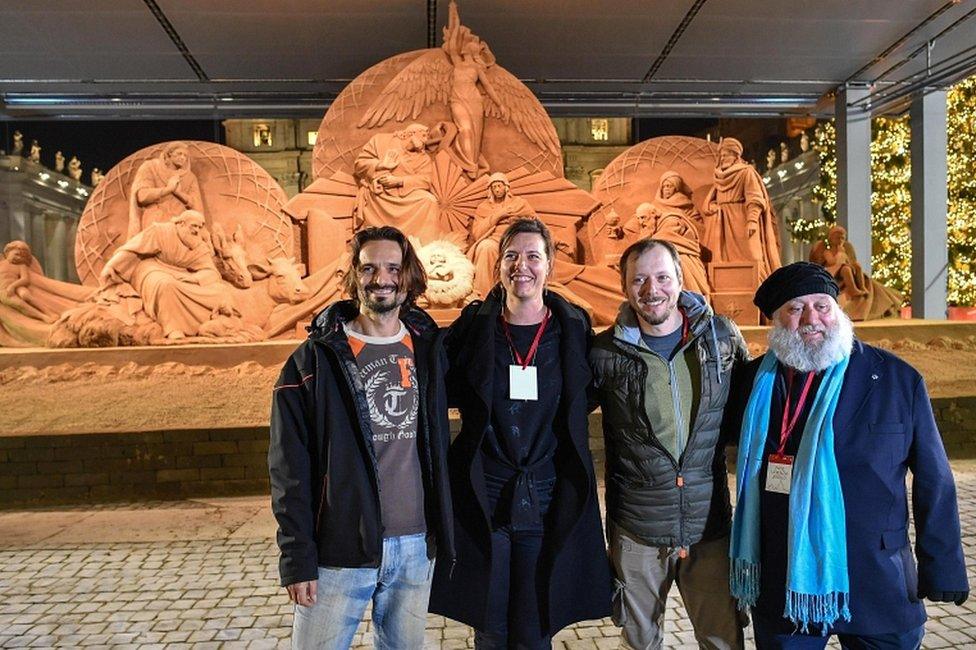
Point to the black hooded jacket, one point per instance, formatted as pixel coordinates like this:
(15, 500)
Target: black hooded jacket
(324, 483)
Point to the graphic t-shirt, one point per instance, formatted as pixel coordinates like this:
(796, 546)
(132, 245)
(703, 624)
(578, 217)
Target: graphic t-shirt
(389, 377)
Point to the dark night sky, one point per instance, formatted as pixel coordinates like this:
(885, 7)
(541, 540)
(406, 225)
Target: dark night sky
(103, 144)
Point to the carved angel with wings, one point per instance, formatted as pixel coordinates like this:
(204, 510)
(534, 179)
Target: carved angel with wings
(456, 75)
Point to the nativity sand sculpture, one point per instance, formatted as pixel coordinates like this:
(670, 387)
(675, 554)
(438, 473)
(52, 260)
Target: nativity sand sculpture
(225, 272)
(413, 142)
(861, 297)
(637, 184)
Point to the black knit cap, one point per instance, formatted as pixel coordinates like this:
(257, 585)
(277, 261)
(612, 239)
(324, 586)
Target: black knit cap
(791, 281)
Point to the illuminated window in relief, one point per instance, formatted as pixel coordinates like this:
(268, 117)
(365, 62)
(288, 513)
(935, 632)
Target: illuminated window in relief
(262, 135)
(312, 137)
(600, 129)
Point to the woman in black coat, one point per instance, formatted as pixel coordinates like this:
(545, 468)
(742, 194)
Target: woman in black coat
(530, 546)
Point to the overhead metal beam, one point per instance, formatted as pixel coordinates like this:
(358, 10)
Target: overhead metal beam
(673, 41)
(177, 40)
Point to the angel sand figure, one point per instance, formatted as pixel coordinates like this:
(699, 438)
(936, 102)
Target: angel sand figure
(29, 301)
(862, 297)
(457, 73)
(163, 187)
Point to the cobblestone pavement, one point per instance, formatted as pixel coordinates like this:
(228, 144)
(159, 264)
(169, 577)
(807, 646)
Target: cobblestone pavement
(203, 574)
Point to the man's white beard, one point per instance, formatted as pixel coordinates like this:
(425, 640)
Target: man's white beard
(794, 352)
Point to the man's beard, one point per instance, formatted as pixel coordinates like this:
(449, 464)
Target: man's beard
(794, 352)
(377, 307)
(652, 319)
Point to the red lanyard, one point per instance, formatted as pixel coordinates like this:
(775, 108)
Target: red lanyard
(787, 427)
(535, 342)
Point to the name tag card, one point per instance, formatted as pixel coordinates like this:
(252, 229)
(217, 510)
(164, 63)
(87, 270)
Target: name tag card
(779, 473)
(522, 383)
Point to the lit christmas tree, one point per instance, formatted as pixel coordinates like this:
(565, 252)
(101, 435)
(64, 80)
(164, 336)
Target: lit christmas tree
(891, 195)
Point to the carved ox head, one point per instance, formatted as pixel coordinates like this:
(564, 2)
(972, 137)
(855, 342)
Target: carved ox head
(284, 279)
(230, 258)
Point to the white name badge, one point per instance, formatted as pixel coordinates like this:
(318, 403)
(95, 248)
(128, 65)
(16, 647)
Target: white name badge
(779, 474)
(522, 383)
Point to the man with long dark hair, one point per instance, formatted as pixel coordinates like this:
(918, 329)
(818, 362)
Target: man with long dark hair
(358, 455)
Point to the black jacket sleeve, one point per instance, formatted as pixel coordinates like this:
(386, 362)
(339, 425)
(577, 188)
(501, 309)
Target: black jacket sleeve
(290, 467)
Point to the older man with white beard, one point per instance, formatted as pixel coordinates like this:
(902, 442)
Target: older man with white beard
(827, 427)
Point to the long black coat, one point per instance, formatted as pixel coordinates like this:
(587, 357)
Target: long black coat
(575, 575)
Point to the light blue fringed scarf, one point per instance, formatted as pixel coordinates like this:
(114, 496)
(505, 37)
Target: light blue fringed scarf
(817, 587)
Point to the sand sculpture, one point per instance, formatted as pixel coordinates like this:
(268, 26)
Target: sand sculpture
(708, 199)
(740, 224)
(491, 217)
(164, 186)
(59, 162)
(862, 297)
(394, 172)
(192, 241)
(30, 302)
(17, 144)
(673, 217)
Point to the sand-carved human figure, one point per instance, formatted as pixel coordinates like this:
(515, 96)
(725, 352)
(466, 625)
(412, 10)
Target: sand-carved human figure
(35, 152)
(59, 162)
(17, 145)
(16, 288)
(96, 177)
(643, 223)
(862, 297)
(676, 220)
(470, 59)
(462, 72)
(394, 172)
(608, 240)
(29, 301)
(491, 218)
(171, 267)
(163, 187)
(740, 226)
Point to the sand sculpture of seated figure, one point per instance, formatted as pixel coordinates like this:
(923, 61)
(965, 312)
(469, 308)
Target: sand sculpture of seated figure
(394, 172)
(491, 217)
(163, 188)
(16, 287)
(861, 297)
(171, 267)
(677, 221)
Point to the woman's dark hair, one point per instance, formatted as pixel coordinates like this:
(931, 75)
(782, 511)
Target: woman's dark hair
(413, 277)
(524, 225)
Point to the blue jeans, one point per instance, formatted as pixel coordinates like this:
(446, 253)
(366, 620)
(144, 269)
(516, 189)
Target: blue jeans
(399, 590)
(781, 635)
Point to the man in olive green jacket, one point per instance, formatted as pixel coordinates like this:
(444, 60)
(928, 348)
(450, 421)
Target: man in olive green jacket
(661, 375)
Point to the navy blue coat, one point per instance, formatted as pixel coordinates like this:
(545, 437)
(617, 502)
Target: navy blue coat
(884, 427)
